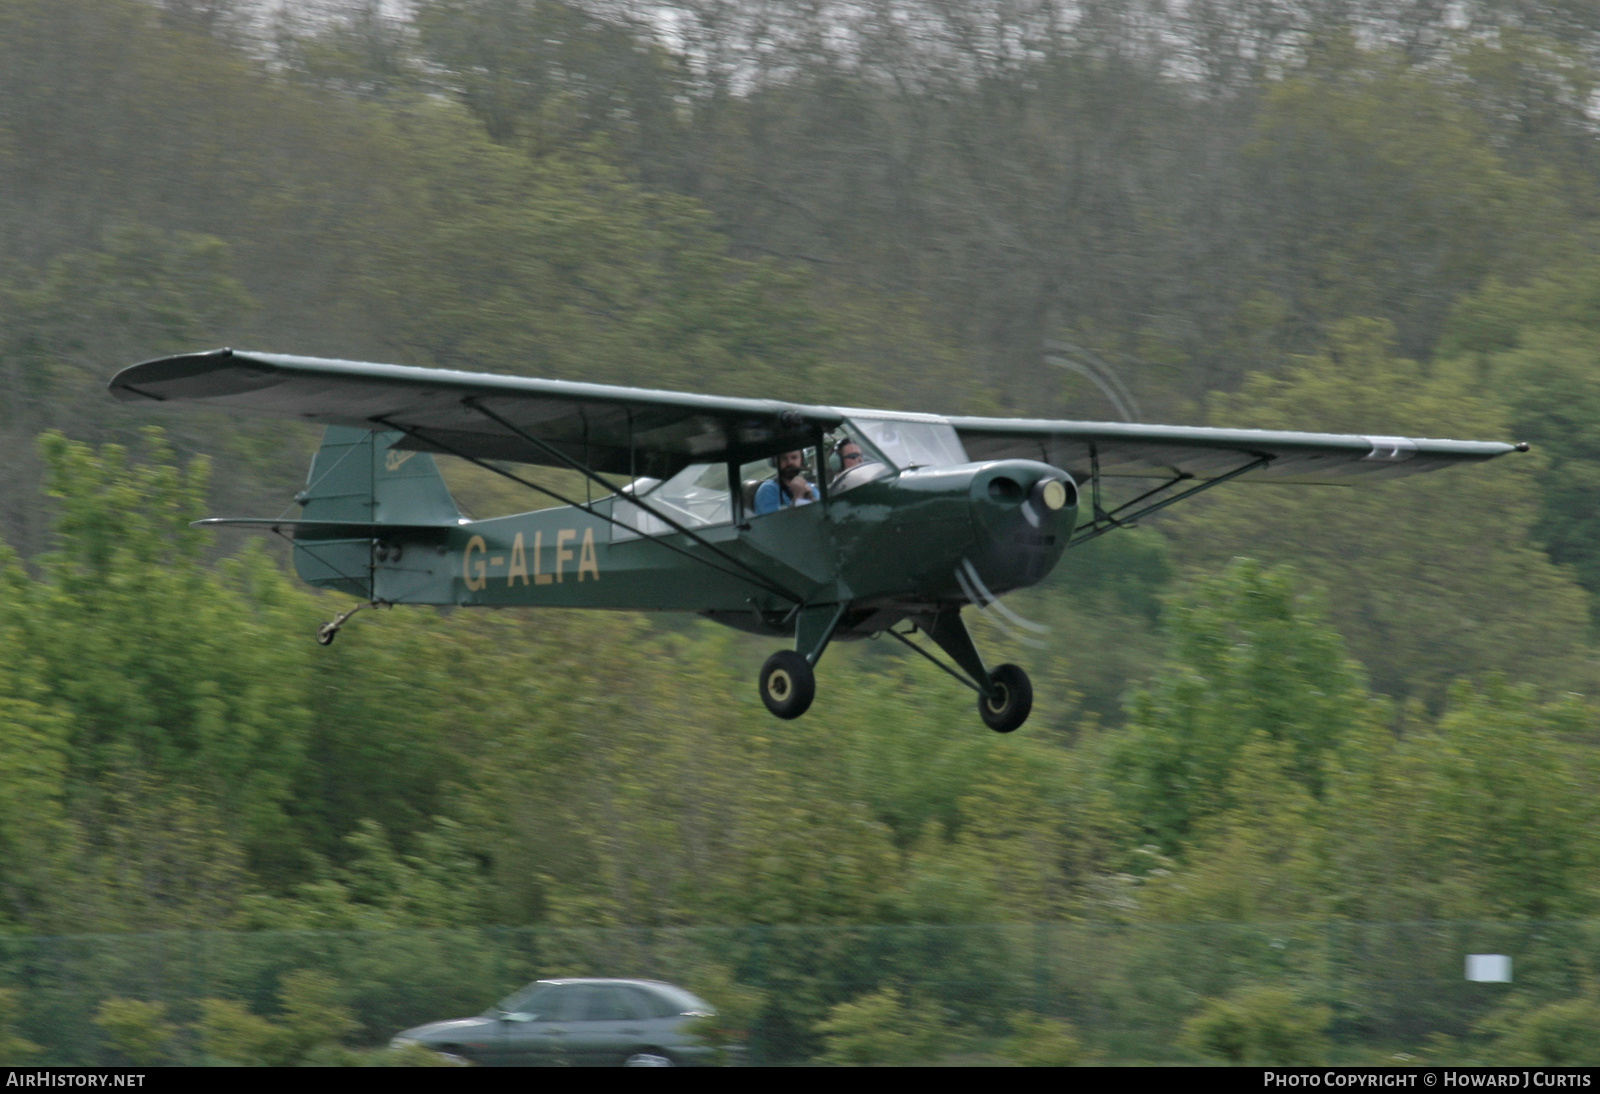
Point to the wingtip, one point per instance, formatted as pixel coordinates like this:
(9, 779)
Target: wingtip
(1521, 446)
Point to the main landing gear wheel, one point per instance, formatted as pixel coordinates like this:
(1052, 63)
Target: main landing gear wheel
(1009, 701)
(788, 684)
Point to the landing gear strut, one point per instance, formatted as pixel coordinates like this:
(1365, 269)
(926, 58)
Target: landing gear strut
(1005, 696)
(788, 680)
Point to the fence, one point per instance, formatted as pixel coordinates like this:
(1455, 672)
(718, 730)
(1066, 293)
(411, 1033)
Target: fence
(1389, 987)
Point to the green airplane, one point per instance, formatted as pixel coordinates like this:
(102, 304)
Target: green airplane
(808, 523)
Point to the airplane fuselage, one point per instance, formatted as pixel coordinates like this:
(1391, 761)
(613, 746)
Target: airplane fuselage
(886, 548)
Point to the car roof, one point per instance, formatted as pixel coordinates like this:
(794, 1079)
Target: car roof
(604, 980)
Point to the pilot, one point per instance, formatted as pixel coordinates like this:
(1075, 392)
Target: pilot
(789, 488)
(850, 455)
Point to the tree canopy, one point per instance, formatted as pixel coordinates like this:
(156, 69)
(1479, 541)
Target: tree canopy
(1317, 709)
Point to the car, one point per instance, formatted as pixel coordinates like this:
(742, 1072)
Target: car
(578, 1022)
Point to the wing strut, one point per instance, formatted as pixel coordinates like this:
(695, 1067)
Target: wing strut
(763, 582)
(1105, 521)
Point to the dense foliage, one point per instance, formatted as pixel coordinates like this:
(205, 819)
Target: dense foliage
(1344, 216)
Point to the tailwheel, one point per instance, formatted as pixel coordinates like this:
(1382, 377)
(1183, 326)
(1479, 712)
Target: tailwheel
(788, 684)
(328, 631)
(1009, 701)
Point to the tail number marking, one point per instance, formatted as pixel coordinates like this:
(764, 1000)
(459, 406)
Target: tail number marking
(475, 566)
(476, 573)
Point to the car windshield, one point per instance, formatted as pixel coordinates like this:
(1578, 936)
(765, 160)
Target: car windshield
(909, 444)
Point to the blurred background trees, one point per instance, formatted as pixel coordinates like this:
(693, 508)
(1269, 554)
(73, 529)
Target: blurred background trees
(1366, 215)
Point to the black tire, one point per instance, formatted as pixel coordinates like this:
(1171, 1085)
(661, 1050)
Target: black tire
(1010, 702)
(787, 684)
(326, 634)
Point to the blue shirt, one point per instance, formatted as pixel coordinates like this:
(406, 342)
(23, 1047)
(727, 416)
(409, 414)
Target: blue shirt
(772, 496)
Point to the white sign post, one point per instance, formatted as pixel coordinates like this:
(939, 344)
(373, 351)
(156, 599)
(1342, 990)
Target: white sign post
(1489, 968)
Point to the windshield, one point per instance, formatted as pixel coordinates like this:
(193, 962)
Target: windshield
(913, 444)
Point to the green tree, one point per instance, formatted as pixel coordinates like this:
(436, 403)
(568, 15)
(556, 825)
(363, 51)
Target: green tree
(14, 1048)
(312, 1021)
(1528, 84)
(1428, 578)
(139, 293)
(1038, 1041)
(1245, 903)
(1509, 803)
(441, 886)
(1384, 195)
(561, 267)
(882, 1027)
(39, 842)
(1259, 1026)
(1253, 862)
(549, 74)
(159, 857)
(137, 1029)
(1537, 342)
(166, 667)
(1560, 1034)
(1251, 657)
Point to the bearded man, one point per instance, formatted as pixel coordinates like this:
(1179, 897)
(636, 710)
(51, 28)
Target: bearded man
(789, 488)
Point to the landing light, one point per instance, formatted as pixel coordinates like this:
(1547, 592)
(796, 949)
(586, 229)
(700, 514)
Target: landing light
(1053, 494)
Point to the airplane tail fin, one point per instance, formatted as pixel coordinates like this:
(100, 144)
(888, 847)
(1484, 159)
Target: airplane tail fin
(357, 478)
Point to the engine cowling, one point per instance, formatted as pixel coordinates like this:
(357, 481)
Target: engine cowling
(1023, 513)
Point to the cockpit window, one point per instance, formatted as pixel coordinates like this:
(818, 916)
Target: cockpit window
(913, 444)
(698, 496)
(695, 497)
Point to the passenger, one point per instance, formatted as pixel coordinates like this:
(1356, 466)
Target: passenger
(789, 488)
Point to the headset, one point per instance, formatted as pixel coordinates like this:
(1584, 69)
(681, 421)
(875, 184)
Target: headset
(805, 464)
(835, 457)
(836, 453)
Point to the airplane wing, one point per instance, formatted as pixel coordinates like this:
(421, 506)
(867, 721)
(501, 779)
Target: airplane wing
(637, 431)
(1184, 453)
(619, 430)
